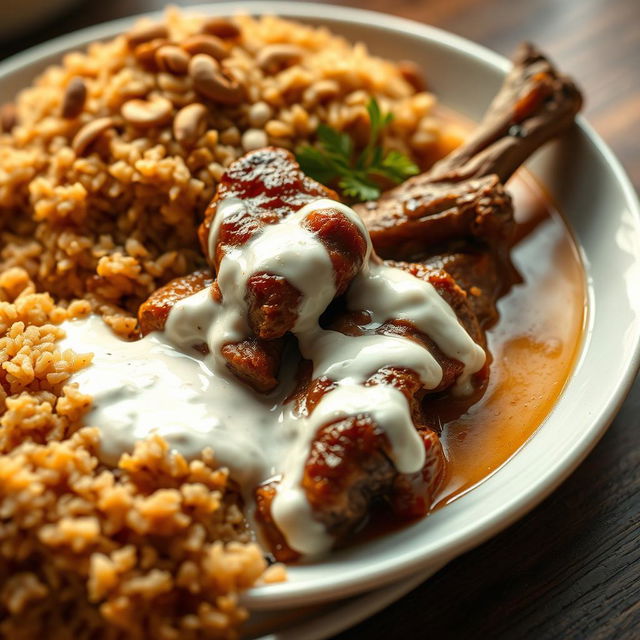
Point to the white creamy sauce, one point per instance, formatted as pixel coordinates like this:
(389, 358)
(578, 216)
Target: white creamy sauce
(286, 249)
(389, 293)
(149, 386)
(355, 358)
(388, 407)
(162, 384)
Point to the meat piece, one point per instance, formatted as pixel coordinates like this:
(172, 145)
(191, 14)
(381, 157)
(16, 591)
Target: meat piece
(480, 275)
(253, 361)
(422, 214)
(535, 104)
(153, 313)
(274, 304)
(456, 296)
(461, 198)
(271, 185)
(343, 241)
(271, 188)
(274, 538)
(349, 467)
(476, 274)
(412, 495)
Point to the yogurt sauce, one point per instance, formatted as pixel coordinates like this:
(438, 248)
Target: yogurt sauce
(162, 384)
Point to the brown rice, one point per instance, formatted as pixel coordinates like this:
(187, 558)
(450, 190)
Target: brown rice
(106, 167)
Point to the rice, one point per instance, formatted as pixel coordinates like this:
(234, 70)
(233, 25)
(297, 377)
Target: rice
(98, 209)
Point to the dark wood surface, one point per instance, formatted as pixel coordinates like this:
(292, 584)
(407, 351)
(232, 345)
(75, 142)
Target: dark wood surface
(571, 568)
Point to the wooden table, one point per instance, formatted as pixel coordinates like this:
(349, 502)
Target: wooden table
(571, 568)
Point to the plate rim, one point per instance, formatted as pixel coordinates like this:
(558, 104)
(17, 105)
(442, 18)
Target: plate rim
(287, 594)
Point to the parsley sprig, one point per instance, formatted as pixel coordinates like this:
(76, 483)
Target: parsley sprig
(358, 175)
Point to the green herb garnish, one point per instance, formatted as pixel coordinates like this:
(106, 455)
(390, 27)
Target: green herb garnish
(334, 161)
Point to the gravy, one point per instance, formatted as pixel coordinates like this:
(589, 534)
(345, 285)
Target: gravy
(534, 346)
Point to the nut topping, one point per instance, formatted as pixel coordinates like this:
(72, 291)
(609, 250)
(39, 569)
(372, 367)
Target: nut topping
(278, 56)
(412, 73)
(147, 113)
(8, 117)
(190, 123)
(259, 114)
(210, 81)
(220, 27)
(172, 59)
(145, 33)
(254, 139)
(88, 134)
(145, 53)
(75, 96)
(207, 44)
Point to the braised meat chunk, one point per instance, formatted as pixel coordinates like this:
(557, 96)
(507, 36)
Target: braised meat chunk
(271, 186)
(255, 362)
(461, 198)
(153, 312)
(275, 305)
(266, 187)
(477, 271)
(423, 213)
(350, 464)
(457, 221)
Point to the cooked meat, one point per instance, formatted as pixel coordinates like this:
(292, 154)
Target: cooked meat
(451, 227)
(536, 103)
(458, 219)
(349, 466)
(480, 275)
(271, 186)
(461, 198)
(255, 361)
(274, 538)
(274, 302)
(343, 241)
(153, 313)
(347, 469)
(421, 213)
(446, 283)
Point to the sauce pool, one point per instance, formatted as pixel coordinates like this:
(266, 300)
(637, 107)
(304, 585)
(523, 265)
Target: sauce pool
(534, 345)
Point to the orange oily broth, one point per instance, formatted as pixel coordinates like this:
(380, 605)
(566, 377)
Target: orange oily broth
(534, 346)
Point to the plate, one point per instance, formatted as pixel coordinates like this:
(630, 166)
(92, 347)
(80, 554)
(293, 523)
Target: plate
(328, 619)
(584, 178)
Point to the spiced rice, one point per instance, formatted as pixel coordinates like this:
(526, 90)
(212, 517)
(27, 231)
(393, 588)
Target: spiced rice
(106, 165)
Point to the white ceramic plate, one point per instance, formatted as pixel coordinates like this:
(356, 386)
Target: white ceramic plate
(325, 620)
(591, 189)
